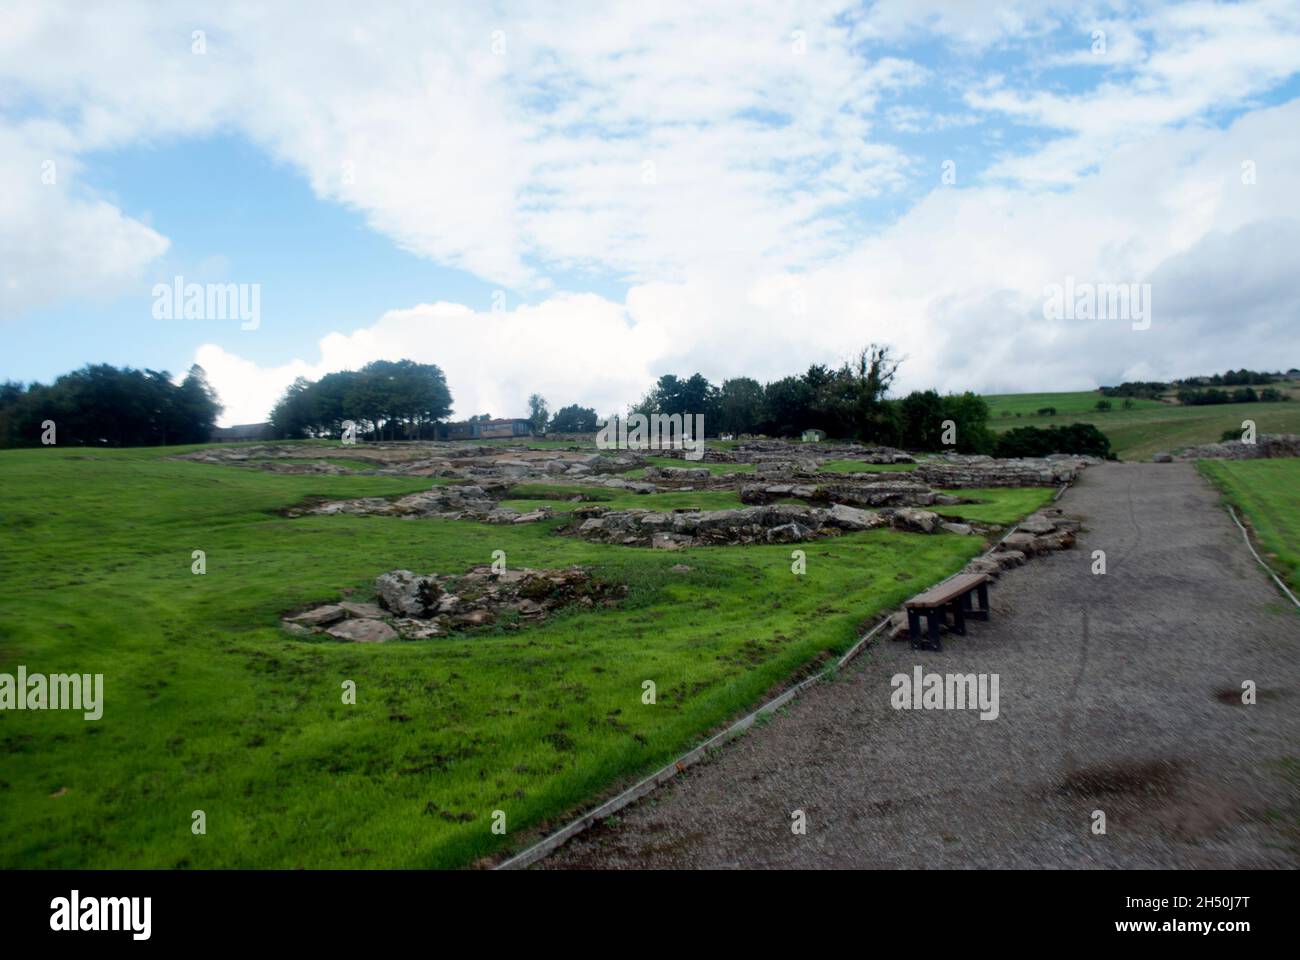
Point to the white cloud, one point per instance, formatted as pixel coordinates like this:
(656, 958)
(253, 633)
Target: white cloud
(57, 240)
(720, 163)
(509, 164)
(1203, 57)
(956, 285)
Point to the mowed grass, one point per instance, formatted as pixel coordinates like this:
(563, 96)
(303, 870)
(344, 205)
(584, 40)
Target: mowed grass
(210, 706)
(1267, 492)
(1066, 405)
(714, 467)
(1151, 426)
(997, 505)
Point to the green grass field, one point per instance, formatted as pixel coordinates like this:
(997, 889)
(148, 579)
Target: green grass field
(210, 706)
(1267, 492)
(1067, 405)
(997, 505)
(713, 467)
(1150, 426)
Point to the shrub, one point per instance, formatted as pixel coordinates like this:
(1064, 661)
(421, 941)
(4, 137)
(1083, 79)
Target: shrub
(1076, 438)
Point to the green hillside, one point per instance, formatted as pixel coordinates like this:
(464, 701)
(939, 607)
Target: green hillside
(1150, 426)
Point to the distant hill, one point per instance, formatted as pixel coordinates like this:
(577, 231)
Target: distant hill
(1147, 426)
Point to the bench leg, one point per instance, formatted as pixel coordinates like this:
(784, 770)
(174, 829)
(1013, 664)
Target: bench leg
(914, 629)
(958, 618)
(932, 620)
(983, 590)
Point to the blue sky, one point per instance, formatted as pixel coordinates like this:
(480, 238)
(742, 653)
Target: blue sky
(603, 196)
(233, 213)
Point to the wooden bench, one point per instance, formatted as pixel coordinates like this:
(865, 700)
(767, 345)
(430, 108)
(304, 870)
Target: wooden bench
(950, 596)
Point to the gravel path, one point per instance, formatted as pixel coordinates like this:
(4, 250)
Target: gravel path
(1118, 693)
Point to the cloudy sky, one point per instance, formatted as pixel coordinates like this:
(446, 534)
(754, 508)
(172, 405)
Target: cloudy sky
(573, 199)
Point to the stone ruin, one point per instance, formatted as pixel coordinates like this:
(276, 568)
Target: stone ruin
(958, 470)
(1266, 445)
(874, 490)
(758, 451)
(460, 502)
(478, 463)
(423, 606)
(788, 497)
(775, 523)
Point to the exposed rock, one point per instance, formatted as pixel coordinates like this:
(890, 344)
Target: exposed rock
(677, 473)
(1060, 540)
(961, 529)
(772, 523)
(362, 631)
(407, 594)
(872, 492)
(1266, 445)
(1024, 542)
(897, 626)
(429, 606)
(785, 468)
(320, 616)
(364, 611)
(851, 518)
(788, 533)
(985, 565)
(1036, 525)
(955, 470)
(621, 462)
(412, 629)
(908, 518)
(669, 541)
(1162, 457)
(876, 492)
(530, 609)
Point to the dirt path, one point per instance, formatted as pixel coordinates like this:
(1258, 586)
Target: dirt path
(1118, 693)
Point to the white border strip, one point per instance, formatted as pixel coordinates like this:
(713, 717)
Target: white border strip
(548, 845)
(1251, 547)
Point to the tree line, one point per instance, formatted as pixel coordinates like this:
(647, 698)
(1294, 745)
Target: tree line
(848, 402)
(386, 399)
(1211, 396)
(101, 405)
(1155, 389)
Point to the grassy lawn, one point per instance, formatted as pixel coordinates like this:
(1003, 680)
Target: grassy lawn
(210, 706)
(1067, 405)
(1150, 427)
(1268, 493)
(999, 505)
(716, 469)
